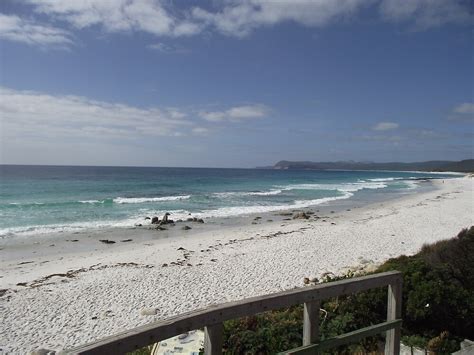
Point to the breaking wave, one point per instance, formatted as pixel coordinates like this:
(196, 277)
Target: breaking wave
(150, 199)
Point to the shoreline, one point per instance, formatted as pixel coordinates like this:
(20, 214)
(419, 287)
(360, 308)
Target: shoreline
(96, 293)
(37, 250)
(133, 218)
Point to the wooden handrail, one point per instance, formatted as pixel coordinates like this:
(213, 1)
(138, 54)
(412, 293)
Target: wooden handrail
(211, 318)
(346, 338)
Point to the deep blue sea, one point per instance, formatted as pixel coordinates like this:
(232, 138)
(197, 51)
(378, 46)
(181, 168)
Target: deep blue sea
(47, 199)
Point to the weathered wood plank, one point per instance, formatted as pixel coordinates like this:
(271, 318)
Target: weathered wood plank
(394, 311)
(213, 340)
(151, 333)
(347, 338)
(311, 322)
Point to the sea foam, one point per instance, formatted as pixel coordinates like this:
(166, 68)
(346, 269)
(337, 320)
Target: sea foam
(150, 199)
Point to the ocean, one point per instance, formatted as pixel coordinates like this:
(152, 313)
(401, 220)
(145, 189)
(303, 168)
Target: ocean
(50, 199)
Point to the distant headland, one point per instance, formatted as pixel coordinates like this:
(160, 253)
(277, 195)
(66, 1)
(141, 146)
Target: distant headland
(464, 166)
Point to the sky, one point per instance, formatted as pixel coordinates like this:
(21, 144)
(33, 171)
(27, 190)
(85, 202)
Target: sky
(234, 83)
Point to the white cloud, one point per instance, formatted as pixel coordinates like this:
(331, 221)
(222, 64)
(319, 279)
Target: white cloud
(33, 114)
(465, 108)
(426, 14)
(385, 126)
(216, 116)
(234, 17)
(239, 18)
(463, 112)
(200, 131)
(237, 113)
(242, 17)
(118, 16)
(176, 113)
(14, 28)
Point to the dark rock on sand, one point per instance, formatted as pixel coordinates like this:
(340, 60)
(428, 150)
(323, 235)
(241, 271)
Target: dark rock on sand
(195, 219)
(186, 228)
(155, 220)
(126, 240)
(300, 215)
(25, 262)
(165, 218)
(106, 241)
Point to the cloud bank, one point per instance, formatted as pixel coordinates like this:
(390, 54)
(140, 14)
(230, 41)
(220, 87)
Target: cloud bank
(236, 18)
(39, 115)
(27, 113)
(14, 28)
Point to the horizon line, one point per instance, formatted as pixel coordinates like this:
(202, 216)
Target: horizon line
(246, 168)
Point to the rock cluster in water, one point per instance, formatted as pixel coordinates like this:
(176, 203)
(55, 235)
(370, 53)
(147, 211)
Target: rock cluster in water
(160, 223)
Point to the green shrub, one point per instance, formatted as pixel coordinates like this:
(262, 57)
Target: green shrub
(266, 333)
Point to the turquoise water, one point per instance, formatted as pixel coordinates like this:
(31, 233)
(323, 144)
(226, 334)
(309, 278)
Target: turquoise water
(39, 199)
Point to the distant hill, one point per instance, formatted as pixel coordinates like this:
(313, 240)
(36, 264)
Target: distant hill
(434, 165)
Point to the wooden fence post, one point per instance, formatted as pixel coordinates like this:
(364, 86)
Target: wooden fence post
(311, 322)
(394, 311)
(213, 340)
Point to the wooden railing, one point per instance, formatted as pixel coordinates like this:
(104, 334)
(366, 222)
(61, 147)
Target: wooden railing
(212, 318)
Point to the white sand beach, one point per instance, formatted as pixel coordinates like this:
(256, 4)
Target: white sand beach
(96, 293)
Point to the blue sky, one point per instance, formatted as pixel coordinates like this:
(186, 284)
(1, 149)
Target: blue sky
(234, 83)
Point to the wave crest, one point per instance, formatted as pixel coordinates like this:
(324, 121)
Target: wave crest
(122, 200)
